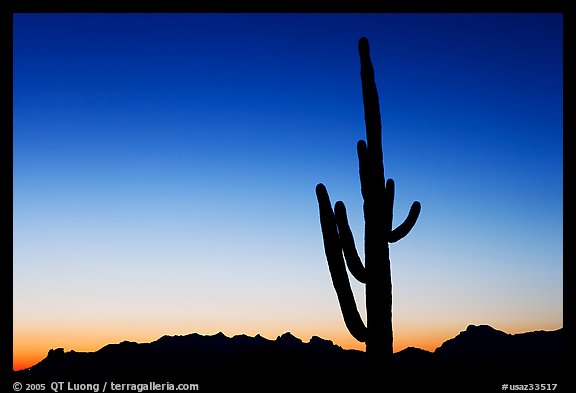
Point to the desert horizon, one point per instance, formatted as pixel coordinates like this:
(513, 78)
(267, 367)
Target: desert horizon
(166, 173)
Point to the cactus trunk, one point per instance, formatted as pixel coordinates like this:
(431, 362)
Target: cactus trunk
(339, 244)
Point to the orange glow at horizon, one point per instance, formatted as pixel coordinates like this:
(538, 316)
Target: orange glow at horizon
(33, 351)
(35, 335)
(32, 346)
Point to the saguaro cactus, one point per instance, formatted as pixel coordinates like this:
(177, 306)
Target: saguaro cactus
(378, 198)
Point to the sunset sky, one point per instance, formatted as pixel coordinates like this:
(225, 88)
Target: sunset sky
(165, 167)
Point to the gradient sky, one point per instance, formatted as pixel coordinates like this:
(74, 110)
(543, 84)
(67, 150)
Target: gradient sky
(165, 166)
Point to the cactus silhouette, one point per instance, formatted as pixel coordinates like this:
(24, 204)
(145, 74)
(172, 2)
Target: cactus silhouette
(339, 244)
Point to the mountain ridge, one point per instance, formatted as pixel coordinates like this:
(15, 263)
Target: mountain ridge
(480, 350)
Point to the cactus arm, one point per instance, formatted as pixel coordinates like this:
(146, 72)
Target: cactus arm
(337, 268)
(353, 261)
(388, 207)
(404, 228)
(364, 168)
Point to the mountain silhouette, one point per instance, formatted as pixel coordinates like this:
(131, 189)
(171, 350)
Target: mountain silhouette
(486, 342)
(479, 353)
(483, 350)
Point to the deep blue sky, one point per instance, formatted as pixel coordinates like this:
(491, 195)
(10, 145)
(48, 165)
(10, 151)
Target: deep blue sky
(165, 165)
